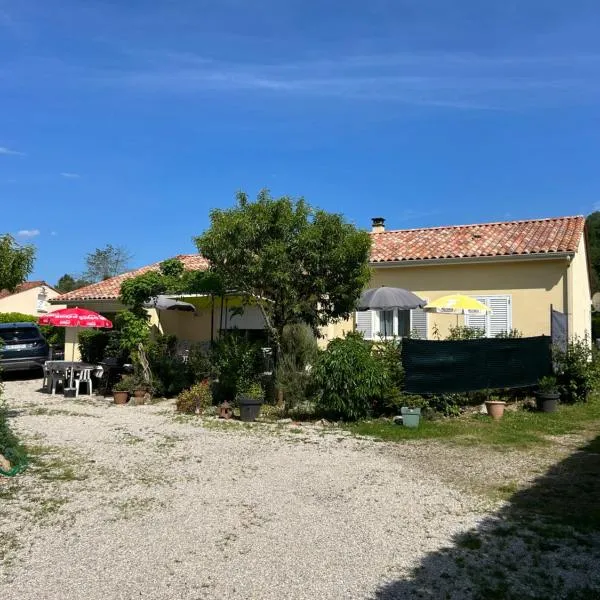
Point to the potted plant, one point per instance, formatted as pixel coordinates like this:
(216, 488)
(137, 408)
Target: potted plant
(121, 389)
(250, 399)
(495, 407)
(140, 389)
(547, 395)
(411, 413)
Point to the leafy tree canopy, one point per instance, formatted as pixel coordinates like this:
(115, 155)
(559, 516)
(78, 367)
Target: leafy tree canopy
(106, 262)
(593, 229)
(16, 262)
(309, 265)
(171, 278)
(68, 283)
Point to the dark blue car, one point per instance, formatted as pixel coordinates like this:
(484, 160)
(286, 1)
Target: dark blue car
(22, 347)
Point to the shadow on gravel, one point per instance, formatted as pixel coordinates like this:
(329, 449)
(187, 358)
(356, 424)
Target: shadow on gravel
(544, 544)
(29, 375)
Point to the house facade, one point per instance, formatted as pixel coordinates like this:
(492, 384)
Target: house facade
(521, 269)
(30, 298)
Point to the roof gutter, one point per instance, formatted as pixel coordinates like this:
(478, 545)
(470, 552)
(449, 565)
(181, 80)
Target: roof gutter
(430, 262)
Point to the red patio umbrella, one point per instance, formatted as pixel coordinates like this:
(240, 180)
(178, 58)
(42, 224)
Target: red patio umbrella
(75, 317)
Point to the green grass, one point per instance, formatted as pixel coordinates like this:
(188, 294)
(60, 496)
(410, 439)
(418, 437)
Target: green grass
(517, 429)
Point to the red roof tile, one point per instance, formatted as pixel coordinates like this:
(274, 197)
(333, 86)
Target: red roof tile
(512, 238)
(27, 285)
(110, 289)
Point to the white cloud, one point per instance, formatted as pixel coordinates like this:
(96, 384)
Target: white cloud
(7, 151)
(53, 233)
(70, 175)
(28, 233)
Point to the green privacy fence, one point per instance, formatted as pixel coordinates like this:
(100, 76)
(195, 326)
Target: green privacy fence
(462, 366)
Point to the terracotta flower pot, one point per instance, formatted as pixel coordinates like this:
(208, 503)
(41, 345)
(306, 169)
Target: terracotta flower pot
(120, 397)
(495, 408)
(139, 396)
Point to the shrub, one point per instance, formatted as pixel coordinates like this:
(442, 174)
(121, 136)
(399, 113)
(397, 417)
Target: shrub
(298, 351)
(349, 379)
(463, 332)
(10, 447)
(236, 361)
(448, 405)
(199, 363)
(389, 354)
(251, 390)
(127, 383)
(170, 374)
(576, 370)
(510, 334)
(195, 399)
(92, 345)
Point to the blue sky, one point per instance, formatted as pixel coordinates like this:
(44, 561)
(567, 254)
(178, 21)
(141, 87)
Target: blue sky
(126, 121)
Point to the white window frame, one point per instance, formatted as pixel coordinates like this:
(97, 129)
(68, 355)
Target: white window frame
(376, 333)
(488, 317)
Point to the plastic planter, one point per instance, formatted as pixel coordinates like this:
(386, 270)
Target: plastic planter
(547, 401)
(249, 408)
(410, 416)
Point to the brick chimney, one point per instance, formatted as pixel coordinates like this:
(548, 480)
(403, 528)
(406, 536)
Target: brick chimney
(377, 225)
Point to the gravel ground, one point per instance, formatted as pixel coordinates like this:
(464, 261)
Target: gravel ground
(134, 502)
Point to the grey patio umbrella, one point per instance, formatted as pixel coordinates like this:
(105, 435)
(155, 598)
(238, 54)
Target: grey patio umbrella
(165, 303)
(388, 298)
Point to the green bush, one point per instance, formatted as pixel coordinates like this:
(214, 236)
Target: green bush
(389, 354)
(577, 370)
(92, 345)
(348, 378)
(236, 361)
(10, 447)
(463, 332)
(298, 352)
(55, 336)
(194, 399)
(170, 374)
(199, 363)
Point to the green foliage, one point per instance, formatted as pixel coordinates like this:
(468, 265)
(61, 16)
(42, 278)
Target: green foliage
(595, 326)
(171, 278)
(309, 265)
(134, 330)
(236, 362)
(511, 334)
(127, 383)
(106, 262)
(55, 336)
(199, 364)
(389, 353)
(68, 283)
(251, 390)
(195, 399)
(548, 384)
(593, 231)
(576, 370)
(10, 447)
(16, 262)
(92, 345)
(298, 352)
(463, 332)
(447, 405)
(169, 372)
(349, 379)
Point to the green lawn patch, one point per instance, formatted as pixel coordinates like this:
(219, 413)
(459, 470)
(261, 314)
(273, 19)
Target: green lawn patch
(517, 429)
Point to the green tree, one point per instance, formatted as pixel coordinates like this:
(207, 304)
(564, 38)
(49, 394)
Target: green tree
(593, 231)
(68, 283)
(16, 262)
(300, 264)
(106, 262)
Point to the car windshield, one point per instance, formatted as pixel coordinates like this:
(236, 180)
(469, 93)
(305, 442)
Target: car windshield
(17, 335)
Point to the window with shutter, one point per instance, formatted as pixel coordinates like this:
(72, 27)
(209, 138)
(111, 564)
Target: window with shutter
(418, 323)
(364, 323)
(500, 319)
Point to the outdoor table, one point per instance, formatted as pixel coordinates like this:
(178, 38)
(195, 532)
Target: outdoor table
(65, 366)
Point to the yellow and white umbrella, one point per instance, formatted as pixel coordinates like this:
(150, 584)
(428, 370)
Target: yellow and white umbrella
(457, 304)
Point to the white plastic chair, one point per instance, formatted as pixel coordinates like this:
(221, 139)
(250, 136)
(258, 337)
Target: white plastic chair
(57, 376)
(47, 382)
(84, 376)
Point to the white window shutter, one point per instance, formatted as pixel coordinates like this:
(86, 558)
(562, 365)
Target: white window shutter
(500, 321)
(478, 321)
(418, 323)
(364, 323)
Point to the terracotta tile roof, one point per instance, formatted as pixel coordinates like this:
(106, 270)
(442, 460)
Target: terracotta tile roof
(109, 289)
(27, 285)
(512, 238)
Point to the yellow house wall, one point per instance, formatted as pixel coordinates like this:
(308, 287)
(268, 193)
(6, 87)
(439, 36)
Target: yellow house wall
(580, 294)
(533, 286)
(26, 302)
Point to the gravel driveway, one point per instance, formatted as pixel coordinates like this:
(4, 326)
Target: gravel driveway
(135, 502)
